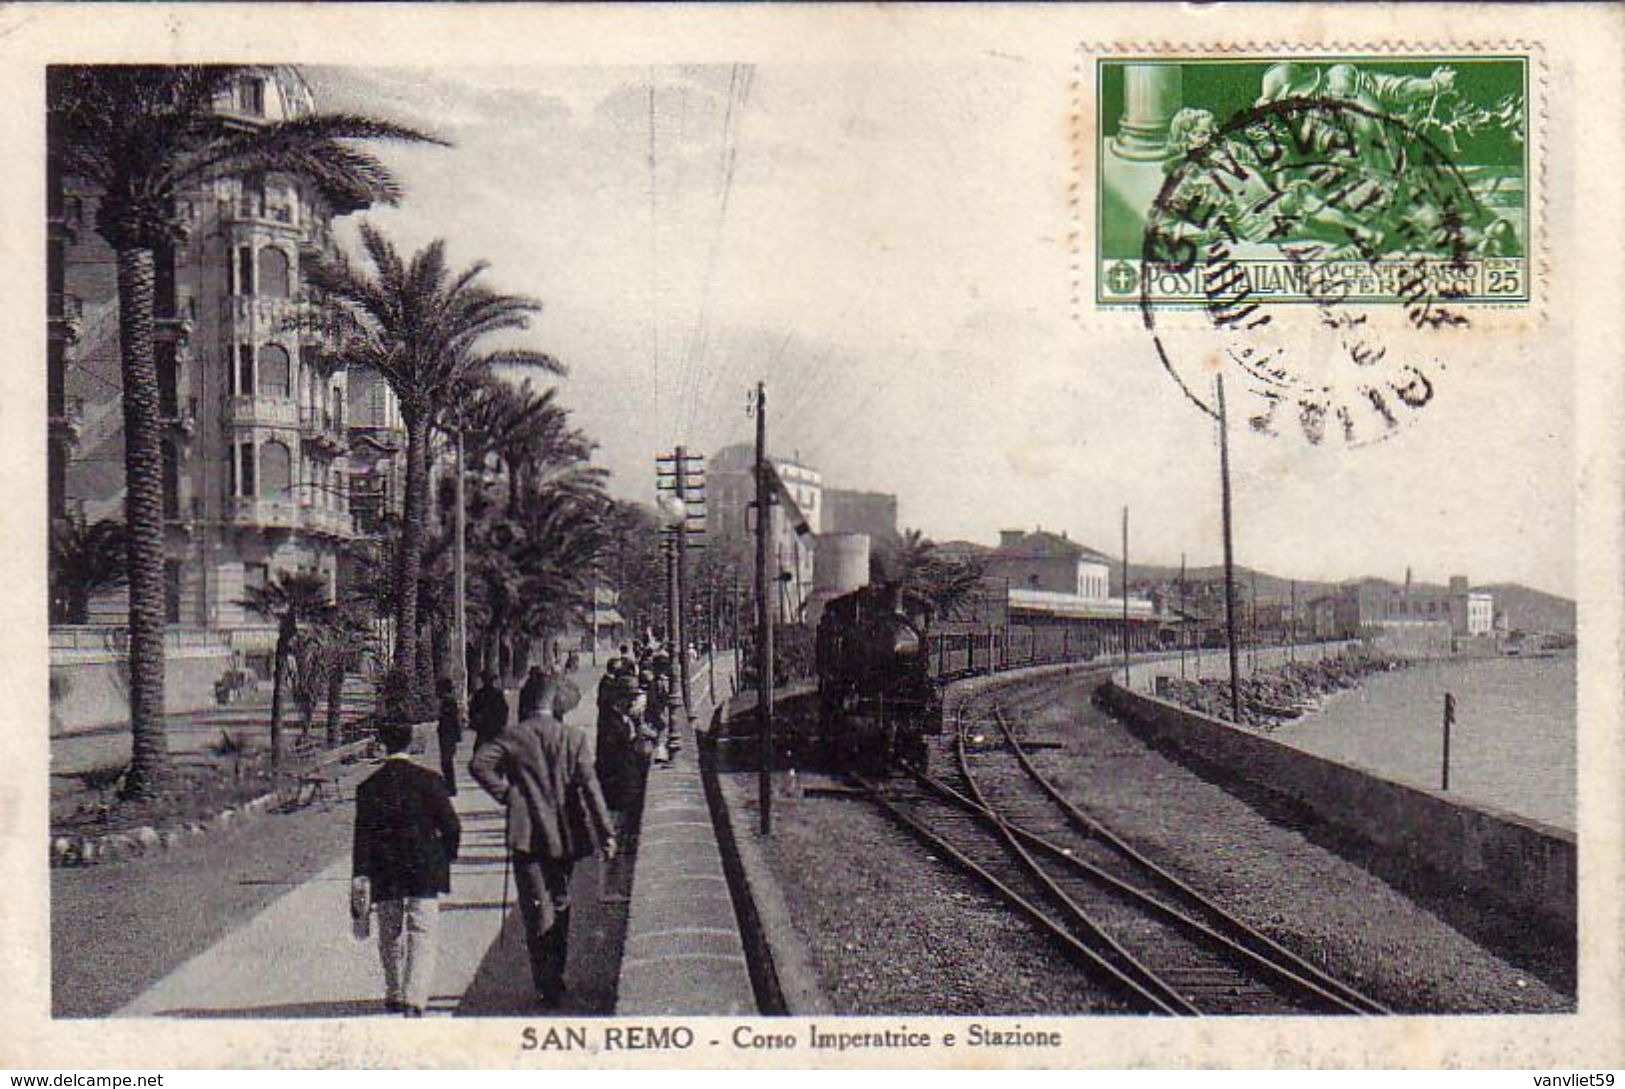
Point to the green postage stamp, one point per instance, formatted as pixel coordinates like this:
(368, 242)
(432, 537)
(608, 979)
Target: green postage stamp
(1238, 183)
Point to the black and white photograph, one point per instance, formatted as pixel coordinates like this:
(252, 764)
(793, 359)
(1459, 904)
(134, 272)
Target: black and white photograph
(814, 536)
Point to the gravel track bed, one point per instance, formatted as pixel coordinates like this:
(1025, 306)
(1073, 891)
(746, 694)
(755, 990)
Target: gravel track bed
(1288, 880)
(892, 931)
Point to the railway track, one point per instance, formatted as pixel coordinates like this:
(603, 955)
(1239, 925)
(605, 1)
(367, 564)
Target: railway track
(1116, 914)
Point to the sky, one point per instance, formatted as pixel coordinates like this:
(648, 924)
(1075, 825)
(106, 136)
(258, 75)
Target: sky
(888, 246)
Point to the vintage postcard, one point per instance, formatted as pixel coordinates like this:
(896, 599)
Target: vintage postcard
(813, 536)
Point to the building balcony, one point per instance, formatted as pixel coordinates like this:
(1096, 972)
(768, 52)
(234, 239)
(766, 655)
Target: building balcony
(180, 416)
(66, 420)
(260, 213)
(323, 429)
(256, 410)
(268, 313)
(183, 513)
(255, 512)
(66, 314)
(327, 521)
(175, 318)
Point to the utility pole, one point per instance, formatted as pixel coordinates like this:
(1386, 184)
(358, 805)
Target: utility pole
(1449, 717)
(733, 631)
(764, 617)
(1292, 622)
(1182, 625)
(1229, 558)
(687, 486)
(1125, 598)
(1252, 640)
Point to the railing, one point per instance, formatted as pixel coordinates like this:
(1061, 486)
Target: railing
(116, 637)
(323, 425)
(73, 411)
(181, 308)
(257, 639)
(262, 409)
(64, 306)
(175, 412)
(255, 210)
(251, 510)
(278, 313)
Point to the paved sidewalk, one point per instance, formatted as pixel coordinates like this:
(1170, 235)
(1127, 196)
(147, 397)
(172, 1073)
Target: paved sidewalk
(296, 958)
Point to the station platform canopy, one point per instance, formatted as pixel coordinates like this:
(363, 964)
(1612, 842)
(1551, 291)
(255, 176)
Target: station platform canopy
(1074, 607)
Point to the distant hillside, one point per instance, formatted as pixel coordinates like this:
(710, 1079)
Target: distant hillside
(1526, 609)
(1532, 610)
(1270, 587)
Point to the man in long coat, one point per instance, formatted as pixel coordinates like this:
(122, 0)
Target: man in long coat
(542, 771)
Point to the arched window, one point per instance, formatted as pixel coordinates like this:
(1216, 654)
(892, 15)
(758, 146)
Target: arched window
(273, 269)
(274, 368)
(276, 468)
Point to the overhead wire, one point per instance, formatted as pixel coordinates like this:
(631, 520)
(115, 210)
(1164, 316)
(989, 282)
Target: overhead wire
(654, 251)
(701, 370)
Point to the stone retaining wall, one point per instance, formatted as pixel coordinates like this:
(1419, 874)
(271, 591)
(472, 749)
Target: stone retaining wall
(1525, 865)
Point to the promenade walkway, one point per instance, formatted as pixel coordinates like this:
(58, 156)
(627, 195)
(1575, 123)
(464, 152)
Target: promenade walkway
(296, 957)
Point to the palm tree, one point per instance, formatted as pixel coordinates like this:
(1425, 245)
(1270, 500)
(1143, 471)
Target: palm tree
(85, 559)
(323, 652)
(419, 327)
(143, 135)
(946, 587)
(292, 597)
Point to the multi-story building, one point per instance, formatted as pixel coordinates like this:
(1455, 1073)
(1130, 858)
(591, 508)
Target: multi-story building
(871, 513)
(1361, 608)
(730, 487)
(260, 424)
(1049, 561)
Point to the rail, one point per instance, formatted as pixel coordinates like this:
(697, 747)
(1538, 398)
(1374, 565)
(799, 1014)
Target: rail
(1167, 947)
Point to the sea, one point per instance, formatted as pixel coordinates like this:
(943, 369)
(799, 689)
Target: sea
(1512, 745)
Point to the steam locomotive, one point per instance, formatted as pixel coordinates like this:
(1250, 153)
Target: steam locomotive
(878, 700)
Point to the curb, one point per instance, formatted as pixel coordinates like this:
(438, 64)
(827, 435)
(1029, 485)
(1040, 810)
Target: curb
(781, 968)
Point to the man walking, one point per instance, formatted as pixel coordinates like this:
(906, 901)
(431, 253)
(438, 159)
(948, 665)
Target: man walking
(488, 710)
(566, 693)
(530, 693)
(406, 836)
(450, 734)
(542, 771)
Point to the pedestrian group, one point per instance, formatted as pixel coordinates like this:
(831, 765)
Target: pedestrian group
(567, 794)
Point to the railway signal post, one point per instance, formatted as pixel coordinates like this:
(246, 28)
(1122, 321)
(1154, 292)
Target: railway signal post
(681, 476)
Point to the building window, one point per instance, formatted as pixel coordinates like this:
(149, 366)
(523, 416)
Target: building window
(273, 267)
(245, 472)
(163, 288)
(276, 471)
(168, 393)
(274, 367)
(245, 270)
(256, 576)
(172, 480)
(172, 591)
(245, 370)
(251, 97)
